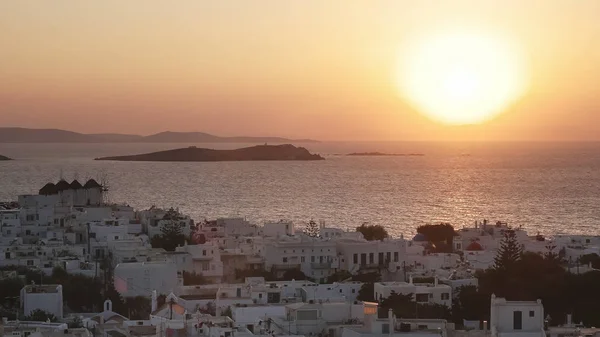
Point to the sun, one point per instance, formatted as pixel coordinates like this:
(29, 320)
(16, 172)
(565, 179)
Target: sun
(461, 78)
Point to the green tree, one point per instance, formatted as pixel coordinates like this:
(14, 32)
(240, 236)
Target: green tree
(509, 252)
(470, 304)
(293, 274)
(592, 258)
(10, 290)
(367, 277)
(403, 305)
(339, 276)
(75, 323)
(171, 235)
(372, 232)
(138, 307)
(241, 274)
(312, 229)
(227, 312)
(39, 315)
(440, 235)
(193, 278)
(366, 292)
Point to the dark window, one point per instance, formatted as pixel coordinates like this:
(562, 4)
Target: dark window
(259, 295)
(380, 258)
(395, 256)
(363, 258)
(371, 258)
(531, 313)
(385, 328)
(7, 255)
(312, 258)
(355, 259)
(273, 297)
(517, 320)
(388, 257)
(422, 298)
(285, 260)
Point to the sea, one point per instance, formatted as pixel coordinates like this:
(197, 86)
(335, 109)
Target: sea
(547, 188)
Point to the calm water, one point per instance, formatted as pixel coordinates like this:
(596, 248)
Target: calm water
(550, 188)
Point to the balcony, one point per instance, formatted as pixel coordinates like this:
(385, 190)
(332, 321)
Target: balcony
(287, 266)
(321, 265)
(374, 265)
(202, 258)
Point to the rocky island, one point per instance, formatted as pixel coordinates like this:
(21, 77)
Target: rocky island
(192, 153)
(375, 154)
(4, 158)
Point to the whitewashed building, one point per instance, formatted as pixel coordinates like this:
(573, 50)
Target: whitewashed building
(422, 292)
(48, 298)
(141, 278)
(363, 255)
(315, 257)
(516, 318)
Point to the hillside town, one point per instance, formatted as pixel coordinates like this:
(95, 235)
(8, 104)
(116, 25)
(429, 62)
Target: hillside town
(73, 264)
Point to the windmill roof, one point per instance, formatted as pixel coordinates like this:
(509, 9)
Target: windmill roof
(48, 189)
(75, 185)
(92, 184)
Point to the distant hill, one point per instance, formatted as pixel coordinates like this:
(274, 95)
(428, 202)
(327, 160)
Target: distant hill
(381, 154)
(23, 135)
(116, 137)
(260, 152)
(4, 158)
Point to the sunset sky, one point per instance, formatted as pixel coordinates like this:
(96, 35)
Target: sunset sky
(311, 69)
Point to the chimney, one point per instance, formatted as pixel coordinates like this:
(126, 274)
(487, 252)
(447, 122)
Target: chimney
(154, 301)
(410, 279)
(569, 319)
(435, 281)
(391, 323)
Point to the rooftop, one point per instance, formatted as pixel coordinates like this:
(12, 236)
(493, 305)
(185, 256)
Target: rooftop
(40, 289)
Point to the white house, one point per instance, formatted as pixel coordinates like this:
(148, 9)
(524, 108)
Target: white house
(205, 260)
(314, 318)
(276, 229)
(374, 325)
(336, 292)
(48, 298)
(423, 292)
(315, 257)
(237, 226)
(363, 255)
(141, 278)
(516, 318)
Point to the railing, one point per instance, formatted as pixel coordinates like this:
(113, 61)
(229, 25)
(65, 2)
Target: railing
(290, 266)
(375, 265)
(321, 265)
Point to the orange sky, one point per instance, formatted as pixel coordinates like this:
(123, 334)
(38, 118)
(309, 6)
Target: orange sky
(310, 68)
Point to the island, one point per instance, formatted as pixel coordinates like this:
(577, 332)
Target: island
(4, 158)
(192, 153)
(376, 154)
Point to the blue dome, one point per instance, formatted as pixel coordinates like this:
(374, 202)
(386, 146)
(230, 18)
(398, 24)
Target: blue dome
(420, 237)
